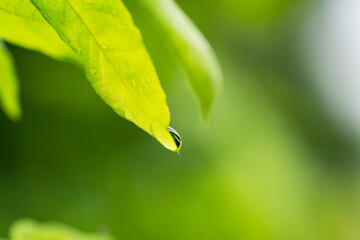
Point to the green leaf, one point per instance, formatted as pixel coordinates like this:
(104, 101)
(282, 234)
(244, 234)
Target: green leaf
(9, 87)
(190, 48)
(27, 229)
(22, 25)
(116, 62)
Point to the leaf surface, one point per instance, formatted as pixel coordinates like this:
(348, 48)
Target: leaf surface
(190, 47)
(22, 25)
(32, 230)
(9, 89)
(115, 60)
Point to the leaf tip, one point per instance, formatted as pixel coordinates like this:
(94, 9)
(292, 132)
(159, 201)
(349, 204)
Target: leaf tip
(164, 136)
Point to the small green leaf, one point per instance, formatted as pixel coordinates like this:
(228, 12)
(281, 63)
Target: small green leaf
(27, 229)
(9, 86)
(22, 25)
(190, 48)
(116, 62)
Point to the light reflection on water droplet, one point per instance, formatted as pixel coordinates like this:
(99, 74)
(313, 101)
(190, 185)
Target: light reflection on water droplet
(176, 136)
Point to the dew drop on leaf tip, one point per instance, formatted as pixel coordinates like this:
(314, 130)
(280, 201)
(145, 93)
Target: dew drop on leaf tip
(177, 139)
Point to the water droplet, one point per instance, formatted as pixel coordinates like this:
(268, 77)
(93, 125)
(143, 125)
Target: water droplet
(92, 71)
(120, 112)
(176, 136)
(151, 130)
(147, 81)
(129, 115)
(104, 46)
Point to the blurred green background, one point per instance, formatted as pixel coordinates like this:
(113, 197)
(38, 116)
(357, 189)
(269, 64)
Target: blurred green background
(277, 161)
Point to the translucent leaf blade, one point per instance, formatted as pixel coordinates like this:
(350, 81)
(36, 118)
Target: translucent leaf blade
(22, 25)
(9, 86)
(115, 60)
(190, 47)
